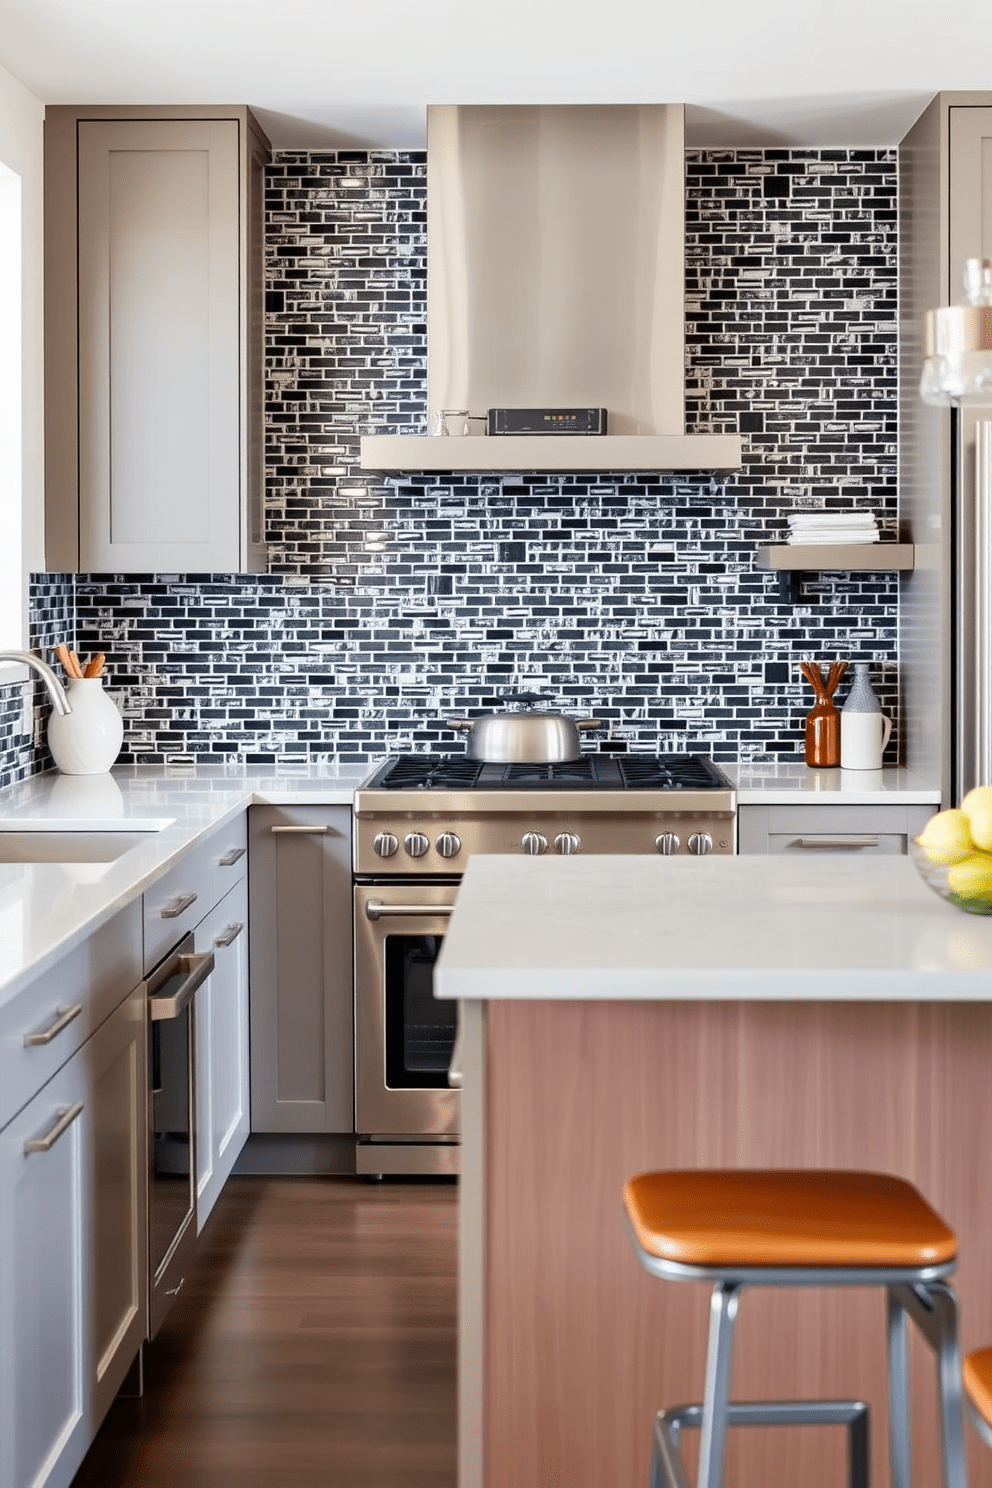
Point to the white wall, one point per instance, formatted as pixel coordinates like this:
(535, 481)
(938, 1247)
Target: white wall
(22, 149)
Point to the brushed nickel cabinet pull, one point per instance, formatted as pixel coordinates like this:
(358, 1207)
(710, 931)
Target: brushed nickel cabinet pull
(302, 831)
(837, 842)
(64, 1016)
(180, 906)
(47, 1142)
(229, 859)
(229, 936)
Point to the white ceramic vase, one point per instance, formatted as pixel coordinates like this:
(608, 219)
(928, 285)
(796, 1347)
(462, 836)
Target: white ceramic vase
(87, 740)
(864, 728)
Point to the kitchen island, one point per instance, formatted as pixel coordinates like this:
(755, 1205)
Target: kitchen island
(627, 1014)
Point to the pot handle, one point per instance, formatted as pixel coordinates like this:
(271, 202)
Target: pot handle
(589, 723)
(460, 723)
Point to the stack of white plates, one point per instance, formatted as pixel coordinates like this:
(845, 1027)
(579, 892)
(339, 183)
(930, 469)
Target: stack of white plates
(832, 527)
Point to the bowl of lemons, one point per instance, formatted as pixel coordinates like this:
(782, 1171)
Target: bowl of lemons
(953, 853)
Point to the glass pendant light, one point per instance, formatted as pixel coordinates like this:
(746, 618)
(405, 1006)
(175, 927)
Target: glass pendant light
(958, 341)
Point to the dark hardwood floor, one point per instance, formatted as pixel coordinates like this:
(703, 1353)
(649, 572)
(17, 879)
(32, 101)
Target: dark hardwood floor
(314, 1344)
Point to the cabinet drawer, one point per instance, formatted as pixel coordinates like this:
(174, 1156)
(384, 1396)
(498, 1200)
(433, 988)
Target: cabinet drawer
(178, 902)
(63, 1006)
(812, 828)
(228, 853)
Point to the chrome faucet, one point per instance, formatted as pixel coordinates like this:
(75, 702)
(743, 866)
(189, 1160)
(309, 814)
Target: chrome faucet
(55, 689)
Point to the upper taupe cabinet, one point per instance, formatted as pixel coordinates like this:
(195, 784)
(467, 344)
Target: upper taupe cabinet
(945, 217)
(154, 340)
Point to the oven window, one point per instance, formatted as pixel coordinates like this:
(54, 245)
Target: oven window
(171, 1179)
(420, 1032)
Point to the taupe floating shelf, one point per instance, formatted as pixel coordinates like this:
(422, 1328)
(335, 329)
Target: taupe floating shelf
(495, 453)
(792, 559)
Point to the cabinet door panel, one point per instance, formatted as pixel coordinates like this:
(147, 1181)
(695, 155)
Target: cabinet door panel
(159, 346)
(116, 1067)
(971, 202)
(44, 1343)
(222, 1118)
(302, 1040)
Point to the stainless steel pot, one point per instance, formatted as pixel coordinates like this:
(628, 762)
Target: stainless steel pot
(526, 736)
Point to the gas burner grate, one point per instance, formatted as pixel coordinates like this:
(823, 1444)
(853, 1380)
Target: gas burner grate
(589, 772)
(429, 772)
(670, 772)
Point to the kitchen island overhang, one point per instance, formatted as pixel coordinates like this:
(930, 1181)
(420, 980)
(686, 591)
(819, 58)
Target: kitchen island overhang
(773, 928)
(733, 1013)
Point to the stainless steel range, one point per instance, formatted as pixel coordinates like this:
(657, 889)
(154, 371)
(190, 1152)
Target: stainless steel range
(418, 819)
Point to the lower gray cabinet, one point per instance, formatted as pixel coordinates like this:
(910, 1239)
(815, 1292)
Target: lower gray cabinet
(302, 1039)
(867, 830)
(73, 1251)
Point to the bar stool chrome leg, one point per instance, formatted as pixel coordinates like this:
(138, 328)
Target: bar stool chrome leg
(933, 1308)
(667, 1470)
(900, 1453)
(719, 1357)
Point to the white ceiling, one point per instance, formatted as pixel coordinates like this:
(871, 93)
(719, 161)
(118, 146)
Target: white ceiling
(361, 72)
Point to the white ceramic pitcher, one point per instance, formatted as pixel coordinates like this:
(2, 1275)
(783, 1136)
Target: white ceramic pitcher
(864, 728)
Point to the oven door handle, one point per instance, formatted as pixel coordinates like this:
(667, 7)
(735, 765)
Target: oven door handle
(376, 910)
(195, 970)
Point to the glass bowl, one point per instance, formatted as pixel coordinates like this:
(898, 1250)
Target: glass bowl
(965, 881)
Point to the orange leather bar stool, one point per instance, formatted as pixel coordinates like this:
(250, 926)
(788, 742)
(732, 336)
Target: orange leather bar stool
(977, 1376)
(805, 1228)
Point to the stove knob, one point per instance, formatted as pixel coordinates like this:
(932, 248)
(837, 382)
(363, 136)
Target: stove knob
(567, 843)
(416, 844)
(385, 844)
(534, 843)
(700, 843)
(667, 843)
(448, 845)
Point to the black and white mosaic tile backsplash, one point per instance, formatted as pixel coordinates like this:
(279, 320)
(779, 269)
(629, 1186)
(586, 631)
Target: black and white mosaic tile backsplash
(393, 603)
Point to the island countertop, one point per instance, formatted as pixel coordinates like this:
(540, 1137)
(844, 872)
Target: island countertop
(719, 928)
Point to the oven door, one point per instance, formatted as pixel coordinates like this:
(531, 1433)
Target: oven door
(404, 1038)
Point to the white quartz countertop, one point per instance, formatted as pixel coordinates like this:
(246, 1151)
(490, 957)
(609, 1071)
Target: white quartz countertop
(793, 783)
(613, 928)
(48, 908)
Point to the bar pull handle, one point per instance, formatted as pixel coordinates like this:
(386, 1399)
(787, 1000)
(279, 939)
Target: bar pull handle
(455, 1067)
(180, 906)
(835, 842)
(229, 859)
(229, 936)
(195, 970)
(376, 910)
(64, 1016)
(302, 831)
(45, 1144)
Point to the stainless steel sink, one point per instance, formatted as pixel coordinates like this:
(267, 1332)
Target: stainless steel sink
(67, 847)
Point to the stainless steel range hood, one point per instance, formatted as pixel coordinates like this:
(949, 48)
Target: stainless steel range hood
(555, 279)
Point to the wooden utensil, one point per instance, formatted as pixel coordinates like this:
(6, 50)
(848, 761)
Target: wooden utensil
(69, 660)
(95, 665)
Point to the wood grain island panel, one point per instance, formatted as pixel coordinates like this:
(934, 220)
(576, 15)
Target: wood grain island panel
(582, 1346)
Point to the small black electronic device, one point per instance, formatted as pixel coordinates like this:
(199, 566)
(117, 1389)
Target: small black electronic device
(546, 421)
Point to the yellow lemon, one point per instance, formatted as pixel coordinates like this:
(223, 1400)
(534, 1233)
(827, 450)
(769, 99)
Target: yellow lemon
(946, 836)
(978, 796)
(980, 823)
(972, 878)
